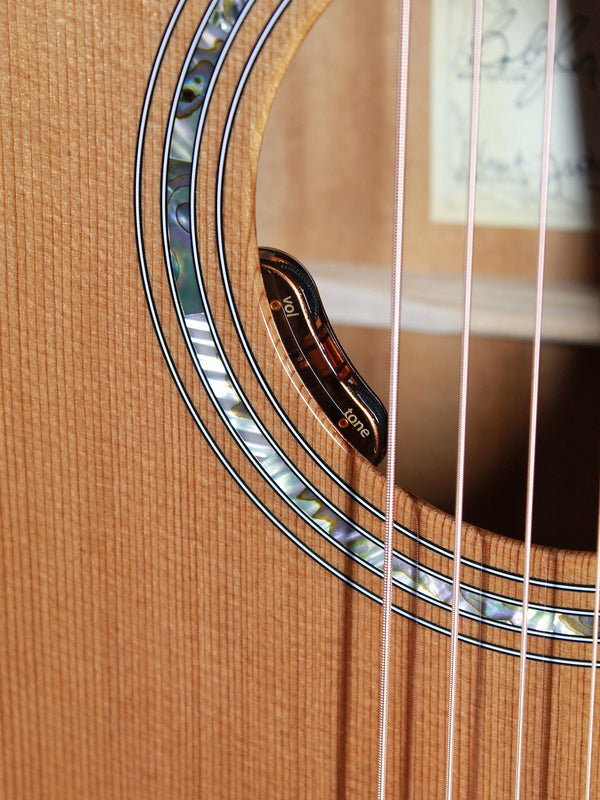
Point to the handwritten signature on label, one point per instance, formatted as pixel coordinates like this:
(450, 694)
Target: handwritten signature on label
(510, 131)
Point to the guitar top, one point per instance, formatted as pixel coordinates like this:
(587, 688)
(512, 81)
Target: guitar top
(191, 546)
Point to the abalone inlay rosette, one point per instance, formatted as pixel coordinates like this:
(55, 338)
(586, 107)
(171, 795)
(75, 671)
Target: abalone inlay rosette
(191, 98)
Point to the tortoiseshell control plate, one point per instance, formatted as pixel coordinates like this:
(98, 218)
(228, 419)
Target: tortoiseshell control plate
(319, 358)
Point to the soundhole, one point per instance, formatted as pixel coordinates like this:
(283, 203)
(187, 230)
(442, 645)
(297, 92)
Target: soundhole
(325, 194)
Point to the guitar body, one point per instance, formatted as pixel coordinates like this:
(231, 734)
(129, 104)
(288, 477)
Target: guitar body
(190, 554)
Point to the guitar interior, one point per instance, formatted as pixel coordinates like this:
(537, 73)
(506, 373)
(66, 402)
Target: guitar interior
(326, 194)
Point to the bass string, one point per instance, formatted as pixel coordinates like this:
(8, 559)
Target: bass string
(463, 385)
(386, 608)
(393, 394)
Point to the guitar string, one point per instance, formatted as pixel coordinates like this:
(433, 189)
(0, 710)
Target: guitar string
(595, 632)
(386, 607)
(463, 596)
(590, 737)
(463, 385)
(595, 635)
(535, 379)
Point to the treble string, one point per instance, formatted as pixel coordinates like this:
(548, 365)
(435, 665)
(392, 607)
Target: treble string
(464, 372)
(535, 379)
(386, 613)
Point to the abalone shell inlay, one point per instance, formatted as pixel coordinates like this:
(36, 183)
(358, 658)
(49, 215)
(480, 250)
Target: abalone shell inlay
(191, 99)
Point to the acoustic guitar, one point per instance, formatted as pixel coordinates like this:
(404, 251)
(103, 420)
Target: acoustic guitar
(191, 551)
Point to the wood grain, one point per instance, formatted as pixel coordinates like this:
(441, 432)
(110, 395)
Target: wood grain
(160, 636)
(325, 193)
